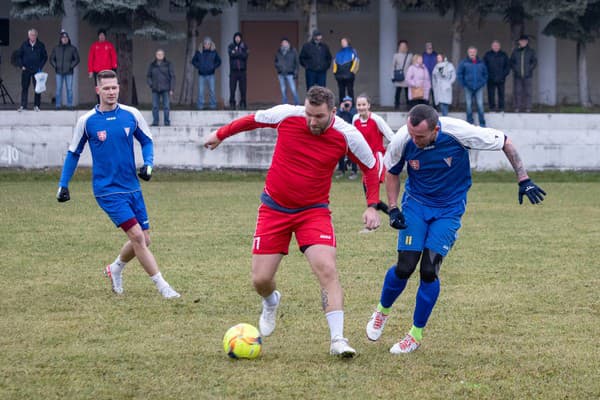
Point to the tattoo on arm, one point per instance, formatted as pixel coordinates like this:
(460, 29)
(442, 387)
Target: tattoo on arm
(515, 160)
(324, 299)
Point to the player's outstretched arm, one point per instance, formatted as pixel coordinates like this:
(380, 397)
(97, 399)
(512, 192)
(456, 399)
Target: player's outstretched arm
(527, 187)
(212, 141)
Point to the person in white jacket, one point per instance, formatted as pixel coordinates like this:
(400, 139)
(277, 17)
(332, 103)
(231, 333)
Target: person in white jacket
(442, 79)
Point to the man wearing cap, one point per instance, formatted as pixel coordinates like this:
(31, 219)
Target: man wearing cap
(315, 57)
(522, 62)
(63, 59)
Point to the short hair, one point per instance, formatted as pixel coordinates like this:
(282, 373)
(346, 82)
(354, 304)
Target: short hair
(423, 112)
(471, 47)
(105, 74)
(32, 30)
(364, 96)
(318, 95)
(101, 30)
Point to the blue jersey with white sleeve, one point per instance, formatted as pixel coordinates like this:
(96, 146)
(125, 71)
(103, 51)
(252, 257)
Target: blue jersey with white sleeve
(439, 175)
(110, 136)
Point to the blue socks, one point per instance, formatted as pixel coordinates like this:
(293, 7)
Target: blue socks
(426, 298)
(392, 288)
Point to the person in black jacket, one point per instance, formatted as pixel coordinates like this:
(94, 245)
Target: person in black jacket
(498, 66)
(315, 57)
(32, 58)
(207, 60)
(523, 61)
(64, 58)
(286, 64)
(238, 56)
(161, 79)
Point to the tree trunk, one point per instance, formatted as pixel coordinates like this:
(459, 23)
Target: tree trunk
(311, 24)
(582, 75)
(124, 48)
(187, 83)
(458, 27)
(517, 28)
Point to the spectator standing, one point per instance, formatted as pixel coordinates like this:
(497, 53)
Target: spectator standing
(473, 75)
(32, 58)
(102, 56)
(442, 79)
(64, 58)
(523, 61)
(498, 65)
(346, 111)
(286, 64)
(238, 56)
(206, 61)
(315, 57)
(400, 62)
(419, 83)
(430, 60)
(161, 79)
(345, 67)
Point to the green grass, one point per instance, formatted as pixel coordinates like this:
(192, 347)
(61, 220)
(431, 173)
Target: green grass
(518, 316)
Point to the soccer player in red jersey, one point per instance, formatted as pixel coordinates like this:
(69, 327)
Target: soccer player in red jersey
(310, 141)
(374, 129)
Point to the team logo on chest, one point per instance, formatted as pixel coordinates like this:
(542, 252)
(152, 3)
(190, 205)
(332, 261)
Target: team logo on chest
(101, 135)
(127, 131)
(448, 161)
(414, 164)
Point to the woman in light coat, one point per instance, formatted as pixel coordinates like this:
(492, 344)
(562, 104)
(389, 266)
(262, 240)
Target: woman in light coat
(419, 83)
(401, 61)
(442, 79)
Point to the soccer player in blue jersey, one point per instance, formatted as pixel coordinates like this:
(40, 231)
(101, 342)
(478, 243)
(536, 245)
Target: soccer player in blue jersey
(110, 129)
(436, 152)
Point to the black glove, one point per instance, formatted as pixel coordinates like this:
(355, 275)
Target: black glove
(63, 194)
(145, 172)
(532, 191)
(397, 219)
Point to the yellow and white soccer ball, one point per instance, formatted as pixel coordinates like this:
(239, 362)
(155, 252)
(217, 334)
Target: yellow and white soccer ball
(242, 341)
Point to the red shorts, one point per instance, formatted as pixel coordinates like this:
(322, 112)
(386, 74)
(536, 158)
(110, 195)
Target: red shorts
(274, 230)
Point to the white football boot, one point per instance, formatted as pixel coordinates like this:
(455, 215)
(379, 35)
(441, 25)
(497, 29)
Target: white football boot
(169, 293)
(375, 325)
(340, 347)
(116, 279)
(406, 345)
(268, 316)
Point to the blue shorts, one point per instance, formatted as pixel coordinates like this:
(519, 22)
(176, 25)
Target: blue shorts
(122, 207)
(433, 228)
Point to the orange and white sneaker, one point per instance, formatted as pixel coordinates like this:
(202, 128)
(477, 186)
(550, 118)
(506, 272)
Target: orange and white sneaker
(116, 280)
(406, 345)
(375, 325)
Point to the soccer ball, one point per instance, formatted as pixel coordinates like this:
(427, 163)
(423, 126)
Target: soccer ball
(242, 341)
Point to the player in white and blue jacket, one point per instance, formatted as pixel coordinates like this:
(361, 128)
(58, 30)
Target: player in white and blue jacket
(110, 129)
(436, 154)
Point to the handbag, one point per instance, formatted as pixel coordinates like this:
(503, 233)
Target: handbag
(399, 73)
(417, 93)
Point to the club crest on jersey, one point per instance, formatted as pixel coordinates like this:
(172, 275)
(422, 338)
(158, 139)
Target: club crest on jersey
(414, 164)
(448, 161)
(101, 135)
(127, 131)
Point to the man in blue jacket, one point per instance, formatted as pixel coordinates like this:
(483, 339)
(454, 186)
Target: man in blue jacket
(32, 57)
(473, 75)
(206, 61)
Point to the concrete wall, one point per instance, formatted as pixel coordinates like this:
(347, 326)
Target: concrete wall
(38, 140)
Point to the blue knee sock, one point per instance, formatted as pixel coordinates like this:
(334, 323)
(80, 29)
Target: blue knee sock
(426, 298)
(392, 288)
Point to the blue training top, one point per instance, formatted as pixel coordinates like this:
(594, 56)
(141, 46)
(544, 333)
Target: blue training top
(110, 135)
(439, 175)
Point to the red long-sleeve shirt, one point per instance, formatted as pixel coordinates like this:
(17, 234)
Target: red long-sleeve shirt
(102, 56)
(303, 163)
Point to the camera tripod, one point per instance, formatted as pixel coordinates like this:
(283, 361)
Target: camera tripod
(4, 93)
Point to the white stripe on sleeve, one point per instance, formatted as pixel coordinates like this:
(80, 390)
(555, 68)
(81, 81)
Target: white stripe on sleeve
(275, 115)
(356, 142)
(79, 131)
(383, 127)
(471, 136)
(141, 122)
(395, 149)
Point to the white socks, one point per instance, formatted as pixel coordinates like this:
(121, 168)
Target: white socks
(335, 319)
(159, 281)
(117, 266)
(272, 299)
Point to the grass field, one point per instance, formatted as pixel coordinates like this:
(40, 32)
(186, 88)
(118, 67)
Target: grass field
(518, 316)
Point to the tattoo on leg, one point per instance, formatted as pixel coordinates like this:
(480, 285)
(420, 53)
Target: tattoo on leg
(324, 299)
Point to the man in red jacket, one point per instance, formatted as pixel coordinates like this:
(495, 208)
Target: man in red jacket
(295, 200)
(102, 56)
